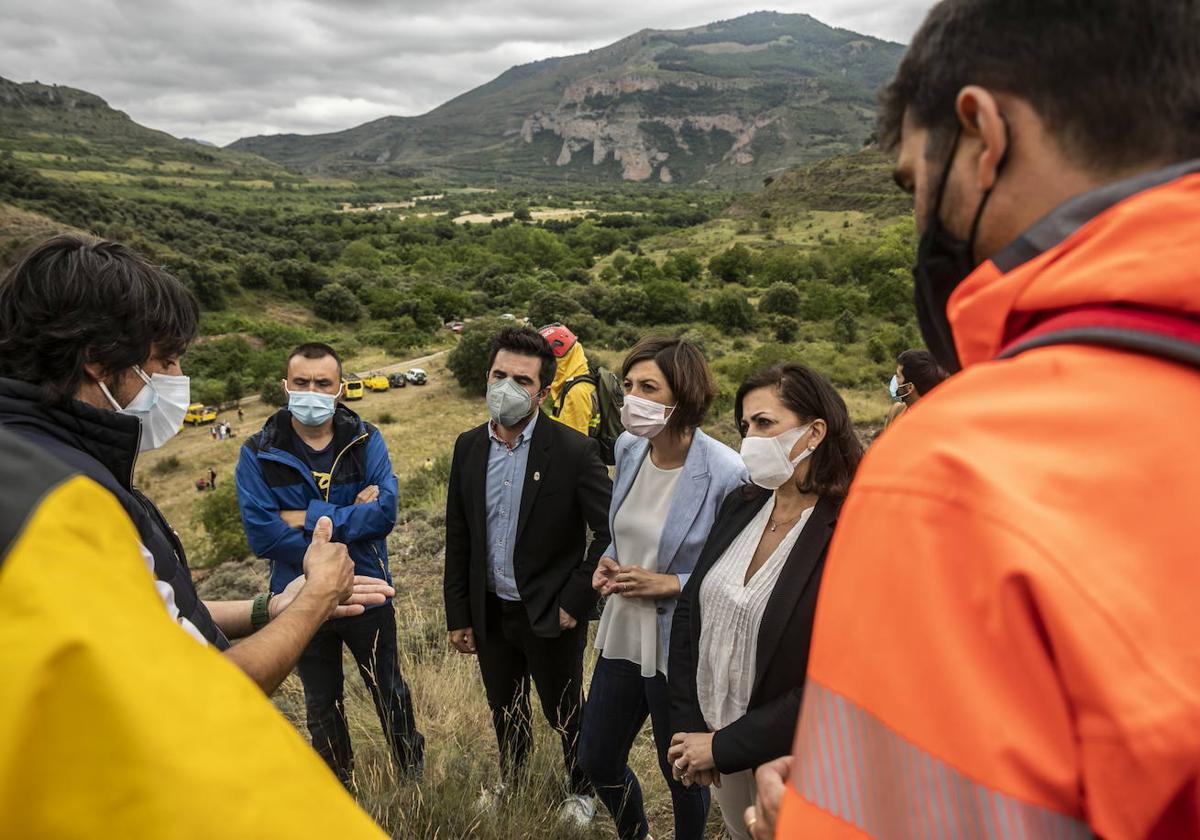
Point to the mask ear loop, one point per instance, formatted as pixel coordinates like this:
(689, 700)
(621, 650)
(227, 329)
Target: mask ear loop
(987, 195)
(935, 213)
(104, 388)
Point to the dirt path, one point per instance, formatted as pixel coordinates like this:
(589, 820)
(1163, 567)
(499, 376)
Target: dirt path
(393, 368)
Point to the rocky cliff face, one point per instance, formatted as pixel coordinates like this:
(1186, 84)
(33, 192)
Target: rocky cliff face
(723, 104)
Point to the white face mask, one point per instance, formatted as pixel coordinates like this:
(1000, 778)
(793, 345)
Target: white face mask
(160, 405)
(767, 458)
(642, 417)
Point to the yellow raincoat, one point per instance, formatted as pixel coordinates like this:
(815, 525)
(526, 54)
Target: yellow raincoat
(114, 722)
(577, 410)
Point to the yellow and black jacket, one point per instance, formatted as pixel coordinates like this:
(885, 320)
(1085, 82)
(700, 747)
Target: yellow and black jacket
(114, 722)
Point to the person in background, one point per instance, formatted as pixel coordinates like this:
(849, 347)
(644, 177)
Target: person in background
(572, 398)
(185, 745)
(741, 631)
(917, 374)
(91, 338)
(212, 479)
(1008, 619)
(212, 431)
(241, 414)
(318, 458)
(670, 479)
(523, 493)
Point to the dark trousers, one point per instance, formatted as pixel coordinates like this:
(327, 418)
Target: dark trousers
(619, 701)
(510, 656)
(371, 638)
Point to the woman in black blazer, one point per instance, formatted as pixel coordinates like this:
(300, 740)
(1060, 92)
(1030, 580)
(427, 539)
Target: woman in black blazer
(742, 625)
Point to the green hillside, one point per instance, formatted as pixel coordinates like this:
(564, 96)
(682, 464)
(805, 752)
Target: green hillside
(728, 103)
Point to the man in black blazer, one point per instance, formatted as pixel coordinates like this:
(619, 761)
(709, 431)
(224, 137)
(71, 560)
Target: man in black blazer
(523, 492)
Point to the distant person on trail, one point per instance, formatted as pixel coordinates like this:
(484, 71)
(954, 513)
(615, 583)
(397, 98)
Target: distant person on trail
(113, 723)
(212, 479)
(241, 414)
(917, 374)
(212, 430)
(91, 337)
(1006, 640)
(316, 458)
(523, 493)
(572, 399)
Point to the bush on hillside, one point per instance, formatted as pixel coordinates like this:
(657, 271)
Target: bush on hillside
(219, 515)
(468, 361)
(780, 299)
(729, 310)
(734, 265)
(337, 303)
(271, 392)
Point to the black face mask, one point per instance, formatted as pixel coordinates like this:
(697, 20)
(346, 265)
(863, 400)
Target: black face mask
(943, 262)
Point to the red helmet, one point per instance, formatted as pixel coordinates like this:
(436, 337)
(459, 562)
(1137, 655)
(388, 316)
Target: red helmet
(561, 339)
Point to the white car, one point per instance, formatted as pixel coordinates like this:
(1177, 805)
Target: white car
(416, 376)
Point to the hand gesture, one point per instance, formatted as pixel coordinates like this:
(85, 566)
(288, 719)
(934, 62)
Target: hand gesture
(636, 582)
(327, 565)
(367, 592)
(605, 575)
(367, 495)
(463, 640)
(566, 621)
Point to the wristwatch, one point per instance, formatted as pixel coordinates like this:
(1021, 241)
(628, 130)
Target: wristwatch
(260, 615)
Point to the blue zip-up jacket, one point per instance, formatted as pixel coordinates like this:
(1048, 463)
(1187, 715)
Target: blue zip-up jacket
(271, 477)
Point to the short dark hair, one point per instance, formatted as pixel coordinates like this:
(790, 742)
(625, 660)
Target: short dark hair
(315, 350)
(687, 374)
(921, 369)
(1114, 80)
(71, 301)
(811, 397)
(526, 342)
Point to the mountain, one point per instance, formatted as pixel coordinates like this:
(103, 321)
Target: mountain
(727, 104)
(63, 125)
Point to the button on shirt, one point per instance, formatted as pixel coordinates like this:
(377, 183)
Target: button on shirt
(505, 483)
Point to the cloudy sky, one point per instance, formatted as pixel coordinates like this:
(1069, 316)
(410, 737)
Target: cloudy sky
(223, 69)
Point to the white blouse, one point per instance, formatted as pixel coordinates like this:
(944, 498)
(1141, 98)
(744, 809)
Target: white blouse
(731, 611)
(629, 626)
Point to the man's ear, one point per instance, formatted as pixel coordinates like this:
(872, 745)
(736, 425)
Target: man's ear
(94, 371)
(982, 121)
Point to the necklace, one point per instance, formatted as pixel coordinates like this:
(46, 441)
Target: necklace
(775, 525)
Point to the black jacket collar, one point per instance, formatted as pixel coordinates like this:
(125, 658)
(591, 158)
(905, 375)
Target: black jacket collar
(278, 432)
(108, 436)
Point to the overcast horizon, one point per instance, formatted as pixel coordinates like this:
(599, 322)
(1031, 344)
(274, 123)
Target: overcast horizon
(237, 69)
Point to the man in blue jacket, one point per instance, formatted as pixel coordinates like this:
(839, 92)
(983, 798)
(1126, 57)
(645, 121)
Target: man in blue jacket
(318, 458)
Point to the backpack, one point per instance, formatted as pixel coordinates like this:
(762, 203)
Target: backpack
(605, 425)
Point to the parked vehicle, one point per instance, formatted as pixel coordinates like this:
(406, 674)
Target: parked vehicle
(352, 389)
(199, 413)
(376, 382)
(455, 327)
(416, 376)
(397, 380)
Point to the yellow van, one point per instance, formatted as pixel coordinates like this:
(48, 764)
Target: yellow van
(352, 389)
(199, 413)
(376, 382)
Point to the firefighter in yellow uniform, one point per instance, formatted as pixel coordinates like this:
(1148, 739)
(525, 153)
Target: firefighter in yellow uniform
(572, 393)
(114, 721)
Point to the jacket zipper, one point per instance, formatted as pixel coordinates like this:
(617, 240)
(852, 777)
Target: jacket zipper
(333, 469)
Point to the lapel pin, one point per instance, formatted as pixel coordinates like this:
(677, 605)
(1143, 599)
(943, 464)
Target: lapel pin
(537, 476)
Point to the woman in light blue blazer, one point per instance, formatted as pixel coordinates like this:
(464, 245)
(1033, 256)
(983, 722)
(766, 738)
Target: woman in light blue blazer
(671, 479)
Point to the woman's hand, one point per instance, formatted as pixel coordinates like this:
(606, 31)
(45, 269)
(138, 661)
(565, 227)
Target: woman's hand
(605, 576)
(636, 582)
(691, 758)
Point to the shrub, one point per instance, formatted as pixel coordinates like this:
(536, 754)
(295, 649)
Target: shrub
(385, 418)
(337, 303)
(730, 311)
(167, 465)
(734, 265)
(219, 515)
(780, 299)
(271, 392)
(468, 361)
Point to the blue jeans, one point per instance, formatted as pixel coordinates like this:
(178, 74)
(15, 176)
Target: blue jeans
(618, 704)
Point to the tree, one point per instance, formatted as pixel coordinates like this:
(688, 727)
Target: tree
(729, 310)
(549, 306)
(733, 266)
(784, 328)
(845, 329)
(468, 361)
(254, 272)
(361, 254)
(233, 387)
(221, 519)
(683, 266)
(337, 303)
(521, 213)
(668, 302)
(271, 392)
(780, 299)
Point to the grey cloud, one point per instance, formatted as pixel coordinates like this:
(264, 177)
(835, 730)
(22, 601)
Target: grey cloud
(228, 68)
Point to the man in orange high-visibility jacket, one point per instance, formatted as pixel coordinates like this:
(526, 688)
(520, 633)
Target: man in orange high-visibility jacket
(1007, 642)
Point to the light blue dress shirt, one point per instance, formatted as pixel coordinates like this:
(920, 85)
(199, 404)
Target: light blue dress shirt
(505, 483)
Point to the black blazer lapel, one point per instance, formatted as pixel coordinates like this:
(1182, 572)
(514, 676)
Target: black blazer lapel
(535, 469)
(475, 471)
(793, 578)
